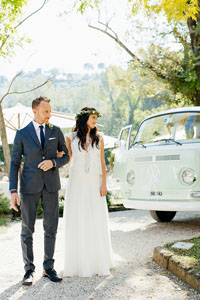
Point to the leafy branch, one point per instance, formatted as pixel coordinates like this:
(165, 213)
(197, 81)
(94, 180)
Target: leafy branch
(113, 35)
(22, 92)
(33, 13)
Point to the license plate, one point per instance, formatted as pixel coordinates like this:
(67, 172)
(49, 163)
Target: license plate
(156, 193)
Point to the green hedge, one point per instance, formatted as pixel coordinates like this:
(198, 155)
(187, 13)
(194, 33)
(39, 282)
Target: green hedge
(62, 201)
(107, 152)
(5, 208)
(4, 205)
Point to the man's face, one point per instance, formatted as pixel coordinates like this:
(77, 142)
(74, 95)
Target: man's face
(42, 112)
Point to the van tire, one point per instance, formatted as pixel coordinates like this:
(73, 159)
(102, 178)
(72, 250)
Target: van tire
(162, 216)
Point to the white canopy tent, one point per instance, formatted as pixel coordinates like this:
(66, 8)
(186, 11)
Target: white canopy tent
(19, 116)
(109, 141)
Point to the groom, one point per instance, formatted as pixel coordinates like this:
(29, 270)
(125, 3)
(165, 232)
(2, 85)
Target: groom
(38, 144)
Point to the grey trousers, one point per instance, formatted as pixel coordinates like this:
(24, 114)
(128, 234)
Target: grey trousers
(29, 204)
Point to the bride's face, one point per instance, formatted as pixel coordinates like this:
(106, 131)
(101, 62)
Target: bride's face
(91, 122)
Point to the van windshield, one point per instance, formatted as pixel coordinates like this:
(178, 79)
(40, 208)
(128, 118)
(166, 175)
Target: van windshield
(184, 127)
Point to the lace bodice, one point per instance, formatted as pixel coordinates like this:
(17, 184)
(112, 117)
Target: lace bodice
(85, 161)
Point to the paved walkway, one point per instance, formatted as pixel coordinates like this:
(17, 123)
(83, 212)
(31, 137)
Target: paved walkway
(135, 276)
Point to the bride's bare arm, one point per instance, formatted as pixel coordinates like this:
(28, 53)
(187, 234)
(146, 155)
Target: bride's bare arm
(68, 145)
(103, 189)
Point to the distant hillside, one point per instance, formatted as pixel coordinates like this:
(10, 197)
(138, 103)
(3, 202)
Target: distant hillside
(70, 92)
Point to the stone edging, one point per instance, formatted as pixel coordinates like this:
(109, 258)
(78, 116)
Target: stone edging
(170, 261)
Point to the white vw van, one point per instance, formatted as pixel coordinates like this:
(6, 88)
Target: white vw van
(159, 168)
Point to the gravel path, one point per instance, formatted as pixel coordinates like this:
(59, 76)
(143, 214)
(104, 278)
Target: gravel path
(135, 276)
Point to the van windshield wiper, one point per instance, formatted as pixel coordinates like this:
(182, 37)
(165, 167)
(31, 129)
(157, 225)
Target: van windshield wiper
(168, 140)
(139, 143)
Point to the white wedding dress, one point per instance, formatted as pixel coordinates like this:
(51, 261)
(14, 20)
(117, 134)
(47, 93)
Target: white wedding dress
(87, 244)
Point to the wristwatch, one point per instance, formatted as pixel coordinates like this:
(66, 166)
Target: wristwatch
(54, 163)
(13, 191)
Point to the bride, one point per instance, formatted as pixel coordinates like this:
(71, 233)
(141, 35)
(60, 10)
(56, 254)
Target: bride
(87, 245)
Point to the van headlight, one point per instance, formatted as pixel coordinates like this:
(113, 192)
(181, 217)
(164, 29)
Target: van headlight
(188, 176)
(130, 177)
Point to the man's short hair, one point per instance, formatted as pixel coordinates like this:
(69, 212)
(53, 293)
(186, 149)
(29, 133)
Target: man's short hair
(38, 100)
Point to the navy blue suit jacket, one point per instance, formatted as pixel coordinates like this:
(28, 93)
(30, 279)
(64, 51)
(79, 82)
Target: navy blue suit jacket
(27, 145)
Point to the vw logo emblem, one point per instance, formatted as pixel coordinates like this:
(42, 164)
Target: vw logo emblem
(153, 173)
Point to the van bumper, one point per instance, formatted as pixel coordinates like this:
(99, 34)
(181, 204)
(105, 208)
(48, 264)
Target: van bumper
(172, 205)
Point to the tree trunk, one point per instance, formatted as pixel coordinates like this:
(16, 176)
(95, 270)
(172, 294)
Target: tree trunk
(6, 150)
(196, 98)
(193, 26)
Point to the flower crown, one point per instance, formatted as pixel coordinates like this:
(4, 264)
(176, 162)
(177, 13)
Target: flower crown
(89, 112)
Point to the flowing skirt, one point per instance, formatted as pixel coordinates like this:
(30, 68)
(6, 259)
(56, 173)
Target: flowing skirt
(87, 244)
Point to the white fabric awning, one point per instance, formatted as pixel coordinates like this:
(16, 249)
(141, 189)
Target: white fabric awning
(19, 116)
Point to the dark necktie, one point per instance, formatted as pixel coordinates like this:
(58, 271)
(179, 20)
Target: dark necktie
(42, 136)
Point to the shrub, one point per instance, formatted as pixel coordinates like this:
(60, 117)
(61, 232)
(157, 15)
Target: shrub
(108, 152)
(61, 206)
(3, 221)
(1, 151)
(108, 198)
(39, 209)
(4, 205)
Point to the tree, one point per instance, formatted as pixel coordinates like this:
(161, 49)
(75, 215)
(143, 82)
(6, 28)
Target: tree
(6, 150)
(125, 93)
(101, 66)
(122, 95)
(11, 17)
(88, 67)
(179, 10)
(175, 11)
(180, 69)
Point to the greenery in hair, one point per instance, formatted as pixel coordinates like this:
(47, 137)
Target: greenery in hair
(89, 112)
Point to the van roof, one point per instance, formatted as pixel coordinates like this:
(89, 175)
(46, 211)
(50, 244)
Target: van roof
(175, 110)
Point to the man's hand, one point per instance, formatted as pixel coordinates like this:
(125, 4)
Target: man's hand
(14, 199)
(45, 165)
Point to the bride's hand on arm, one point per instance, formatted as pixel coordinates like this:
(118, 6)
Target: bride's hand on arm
(60, 154)
(68, 145)
(103, 188)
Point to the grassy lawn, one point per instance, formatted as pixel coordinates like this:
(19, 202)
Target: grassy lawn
(191, 256)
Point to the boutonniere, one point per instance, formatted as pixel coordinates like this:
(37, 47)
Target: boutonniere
(50, 125)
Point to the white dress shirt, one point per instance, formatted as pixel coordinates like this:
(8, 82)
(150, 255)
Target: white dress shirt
(37, 129)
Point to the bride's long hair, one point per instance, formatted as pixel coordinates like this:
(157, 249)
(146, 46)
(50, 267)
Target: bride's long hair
(82, 129)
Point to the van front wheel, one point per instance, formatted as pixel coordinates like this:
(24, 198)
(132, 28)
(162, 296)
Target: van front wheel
(162, 216)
